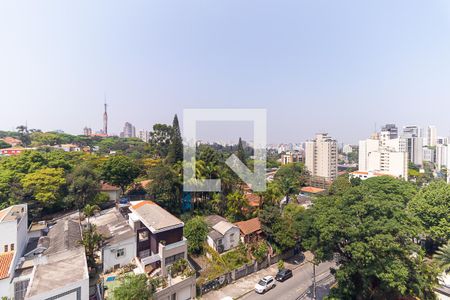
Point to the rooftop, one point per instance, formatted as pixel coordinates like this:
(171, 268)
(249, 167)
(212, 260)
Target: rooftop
(6, 259)
(113, 226)
(212, 220)
(12, 213)
(107, 187)
(223, 226)
(64, 261)
(154, 217)
(312, 190)
(249, 226)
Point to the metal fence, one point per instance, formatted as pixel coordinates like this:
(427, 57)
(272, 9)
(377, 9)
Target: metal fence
(243, 271)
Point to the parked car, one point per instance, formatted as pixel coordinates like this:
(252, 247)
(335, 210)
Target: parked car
(265, 284)
(283, 274)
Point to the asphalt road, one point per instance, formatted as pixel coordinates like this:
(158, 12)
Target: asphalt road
(293, 287)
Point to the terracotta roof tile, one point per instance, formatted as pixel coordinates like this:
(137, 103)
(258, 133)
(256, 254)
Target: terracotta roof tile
(6, 259)
(108, 187)
(142, 203)
(253, 199)
(249, 226)
(312, 190)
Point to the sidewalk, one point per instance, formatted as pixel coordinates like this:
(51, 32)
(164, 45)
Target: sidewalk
(246, 284)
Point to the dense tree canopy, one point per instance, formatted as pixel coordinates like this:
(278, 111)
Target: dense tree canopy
(196, 231)
(120, 171)
(371, 231)
(432, 206)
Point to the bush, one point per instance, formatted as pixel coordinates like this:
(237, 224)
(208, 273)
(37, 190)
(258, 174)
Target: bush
(280, 264)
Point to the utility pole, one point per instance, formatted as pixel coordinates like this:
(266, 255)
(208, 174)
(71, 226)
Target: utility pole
(314, 280)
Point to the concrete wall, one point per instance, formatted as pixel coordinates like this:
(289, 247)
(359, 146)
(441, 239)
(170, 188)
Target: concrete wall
(75, 291)
(184, 290)
(110, 259)
(4, 288)
(228, 241)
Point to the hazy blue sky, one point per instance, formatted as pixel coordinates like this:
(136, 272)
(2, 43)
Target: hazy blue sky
(334, 66)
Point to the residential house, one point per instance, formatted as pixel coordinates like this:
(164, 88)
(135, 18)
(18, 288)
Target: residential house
(13, 240)
(13, 151)
(250, 230)
(12, 141)
(119, 248)
(160, 243)
(54, 265)
(222, 235)
(112, 191)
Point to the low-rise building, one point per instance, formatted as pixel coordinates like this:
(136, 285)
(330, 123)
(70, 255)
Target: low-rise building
(54, 265)
(119, 247)
(250, 230)
(222, 235)
(13, 240)
(112, 191)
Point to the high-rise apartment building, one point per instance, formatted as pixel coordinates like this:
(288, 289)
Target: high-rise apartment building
(382, 155)
(129, 130)
(431, 136)
(392, 129)
(414, 142)
(321, 157)
(144, 135)
(87, 131)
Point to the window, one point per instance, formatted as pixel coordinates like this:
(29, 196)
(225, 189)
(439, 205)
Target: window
(174, 296)
(6, 248)
(219, 242)
(174, 258)
(232, 238)
(12, 247)
(143, 236)
(120, 253)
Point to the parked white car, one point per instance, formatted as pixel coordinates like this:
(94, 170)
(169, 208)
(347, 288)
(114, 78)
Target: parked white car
(265, 284)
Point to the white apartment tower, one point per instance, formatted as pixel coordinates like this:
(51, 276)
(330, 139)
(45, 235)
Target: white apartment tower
(385, 156)
(431, 136)
(414, 142)
(321, 156)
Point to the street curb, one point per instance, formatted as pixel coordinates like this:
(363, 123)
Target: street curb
(248, 292)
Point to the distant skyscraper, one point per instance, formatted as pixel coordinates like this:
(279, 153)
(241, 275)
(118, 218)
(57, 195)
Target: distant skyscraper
(431, 136)
(392, 129)
(144, 135)
(414, 142)
(105, 120)
(129, 130)
(87, 131)
(321, 157)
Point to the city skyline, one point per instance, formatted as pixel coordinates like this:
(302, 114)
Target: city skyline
(335, 67)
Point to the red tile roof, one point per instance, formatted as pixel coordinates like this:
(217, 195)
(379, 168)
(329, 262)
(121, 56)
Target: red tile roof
(108, 187)
(312, 190)
(249, 226)
(142, 203)
(253, 199)
(6, 259)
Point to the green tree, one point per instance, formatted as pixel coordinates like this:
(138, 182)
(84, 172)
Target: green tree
(120, 171)
(340, 185)
(237, 206)
(432, 206)
(371, 232)
(92, 241)
(165, 187)
(24, 135)
(176, 145)
(46, 185)
(133, 287)
(89, 211)
(196, 231)
(83, 185)
(160, 139)
(442, 257)
(4, 145)
(241, 152)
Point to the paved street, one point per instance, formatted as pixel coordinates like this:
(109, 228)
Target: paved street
(293, 287)
(290, 289)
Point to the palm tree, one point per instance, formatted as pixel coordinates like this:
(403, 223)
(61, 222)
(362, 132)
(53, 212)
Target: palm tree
(89, 211)
(442, 257)
(91, 241)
